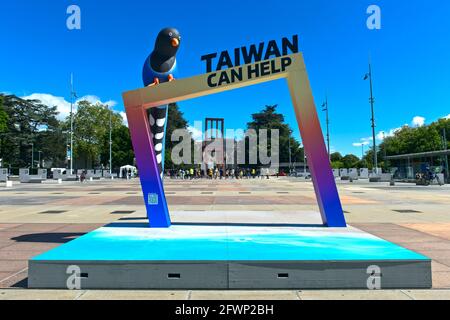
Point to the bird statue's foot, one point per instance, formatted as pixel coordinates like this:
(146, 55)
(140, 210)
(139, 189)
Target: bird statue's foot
(171, 78)
(155, 82)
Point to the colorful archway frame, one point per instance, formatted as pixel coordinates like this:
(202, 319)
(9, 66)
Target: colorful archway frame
(138, 101)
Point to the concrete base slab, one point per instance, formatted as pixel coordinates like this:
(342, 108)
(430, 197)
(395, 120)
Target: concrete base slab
(133, 256)
(355, 295)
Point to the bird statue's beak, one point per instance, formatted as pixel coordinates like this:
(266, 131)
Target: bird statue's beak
(175, 42)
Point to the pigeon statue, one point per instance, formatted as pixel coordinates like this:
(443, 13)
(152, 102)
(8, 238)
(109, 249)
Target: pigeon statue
(159, 67)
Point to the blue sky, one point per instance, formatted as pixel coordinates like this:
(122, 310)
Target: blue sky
(410, 55)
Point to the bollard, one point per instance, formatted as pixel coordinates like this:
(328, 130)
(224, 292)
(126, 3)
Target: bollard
(9, 184)
(59, 181)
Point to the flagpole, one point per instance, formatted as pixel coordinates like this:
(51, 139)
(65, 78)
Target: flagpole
(372, 101)
(110, 141)
(72, 96)
(71, 123)
(325, 106)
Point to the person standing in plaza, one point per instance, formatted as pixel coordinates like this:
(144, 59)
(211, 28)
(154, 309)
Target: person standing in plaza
(83, 176)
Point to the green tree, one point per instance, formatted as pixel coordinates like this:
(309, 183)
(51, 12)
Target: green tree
(3, 117)
(176, 121)
(350, 161)
(269, 119)
(122, 149)
(91, 133)
(337, 164)
(30, 122)
(412, 140)
(336, 156)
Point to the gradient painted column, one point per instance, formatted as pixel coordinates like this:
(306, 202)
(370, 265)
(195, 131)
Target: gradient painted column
(152, 187)
(324, 182)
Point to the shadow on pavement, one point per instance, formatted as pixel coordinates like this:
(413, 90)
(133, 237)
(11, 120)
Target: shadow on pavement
(22, 284)
(48, 237)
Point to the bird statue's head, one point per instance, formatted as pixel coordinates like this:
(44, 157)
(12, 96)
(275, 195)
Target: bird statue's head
(168, 42)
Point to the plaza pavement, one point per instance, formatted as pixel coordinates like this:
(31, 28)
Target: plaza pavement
(36, 218)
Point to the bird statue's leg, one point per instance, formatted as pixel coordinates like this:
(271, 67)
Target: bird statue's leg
(171, 78)
(155, 82)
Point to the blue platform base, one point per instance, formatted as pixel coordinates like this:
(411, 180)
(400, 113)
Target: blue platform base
(133, 256)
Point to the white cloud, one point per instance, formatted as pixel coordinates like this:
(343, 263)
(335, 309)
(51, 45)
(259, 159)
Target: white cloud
(49, 100)
(368, 139)
(383, 134)
(94, 100)
(124, 117)
(62, 105)
(197, 134)
(418, 121)
(447, 117)
(360, 144)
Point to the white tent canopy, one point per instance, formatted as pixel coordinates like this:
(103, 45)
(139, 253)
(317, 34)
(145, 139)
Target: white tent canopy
(127, 167)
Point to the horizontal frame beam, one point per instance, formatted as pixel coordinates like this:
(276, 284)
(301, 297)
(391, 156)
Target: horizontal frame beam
(292, 68)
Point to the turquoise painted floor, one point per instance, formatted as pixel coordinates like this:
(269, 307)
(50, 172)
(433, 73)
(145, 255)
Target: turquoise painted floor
(135, 242)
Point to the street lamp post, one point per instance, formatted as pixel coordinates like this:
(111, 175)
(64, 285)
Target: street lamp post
(290, 156)
(304, 159)
(39, 153)
(372, 101)
(444, 140)
(72, 96)
(32, 155)
(325, 108)
(304, 162)
(110, 142)
(384, 151)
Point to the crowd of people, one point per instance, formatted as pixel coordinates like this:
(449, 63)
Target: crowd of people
(217, 173)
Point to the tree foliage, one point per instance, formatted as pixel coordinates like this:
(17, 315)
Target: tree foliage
(269, 119)
(24, 123)
(30, 125)
(3, 117)
(122, 149)
(91, 133)
(176, 121)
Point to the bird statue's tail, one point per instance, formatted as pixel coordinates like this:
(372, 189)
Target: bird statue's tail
(158, 125)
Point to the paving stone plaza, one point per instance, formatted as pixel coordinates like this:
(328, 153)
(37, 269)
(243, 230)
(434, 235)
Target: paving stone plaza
(35, 218)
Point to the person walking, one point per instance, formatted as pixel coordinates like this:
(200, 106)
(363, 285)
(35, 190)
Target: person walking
(83, 176)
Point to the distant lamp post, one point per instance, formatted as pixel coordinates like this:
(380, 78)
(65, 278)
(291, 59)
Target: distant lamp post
(304, 159)
(384, 151)
(110, 140)
(39, 164)
(444, 145)
(304, 162)
(290, 154)
(368, 76)
(325, 108)
(32, 155)
(361, 144)
(73, 95)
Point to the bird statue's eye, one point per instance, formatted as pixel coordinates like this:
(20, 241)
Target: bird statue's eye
(170, 34)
